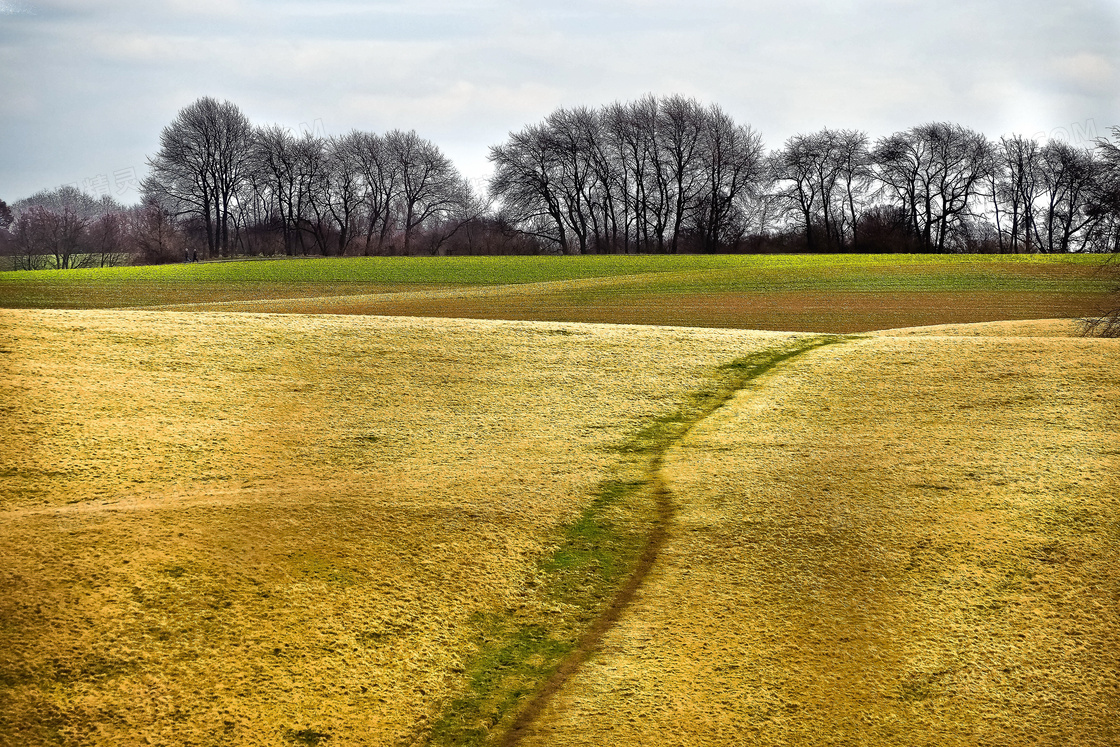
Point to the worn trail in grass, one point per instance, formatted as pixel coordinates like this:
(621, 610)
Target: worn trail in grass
(896, 541)
(263, 530)
(593, 575)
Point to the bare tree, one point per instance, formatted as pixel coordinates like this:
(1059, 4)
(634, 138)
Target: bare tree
(6, 220)
(59, 235)
(276, 172)
(629, 128)
(1068, 178)
(1107, 207)
(202, 161)
(651, 178)
(856, 175)
(432, 192)
(935, 172)
(1013, 190)
(381, 173)
(796, 167)
(734, 169)
(106, 239)
(571, 136)
(650, 175)
(154, 234)
(827, 176)
(525, 181)
(681, 129)
(342, 187)
(60, 225)
(313, 181)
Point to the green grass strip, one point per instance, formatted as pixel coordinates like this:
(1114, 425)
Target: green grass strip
(519, 650)
(113, 287)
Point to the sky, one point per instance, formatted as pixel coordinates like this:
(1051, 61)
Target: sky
(86, 86)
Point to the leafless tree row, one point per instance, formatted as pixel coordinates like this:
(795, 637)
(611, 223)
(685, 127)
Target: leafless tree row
(660, 175)
(67, 229)
(266, 190)
(655, 175)
(668, 175)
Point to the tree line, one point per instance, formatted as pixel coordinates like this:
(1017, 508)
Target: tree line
(659, 174)
(265, 190)
(66, 228)
(670, 175)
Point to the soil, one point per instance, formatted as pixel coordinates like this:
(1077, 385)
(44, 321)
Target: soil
(799, 311)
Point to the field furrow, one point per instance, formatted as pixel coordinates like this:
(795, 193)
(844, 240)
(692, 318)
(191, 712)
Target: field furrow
(807, 293)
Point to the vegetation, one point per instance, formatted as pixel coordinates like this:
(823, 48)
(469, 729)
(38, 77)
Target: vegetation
(311, 529)
(698, 273)
(319, 529)
(236, 528)
(618, 535)
(656, 175)
(896, 541)
(668, 175)
(817, 293)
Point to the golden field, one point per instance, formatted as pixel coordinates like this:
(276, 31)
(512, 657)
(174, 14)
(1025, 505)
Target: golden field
(898, 540)
(253, 529)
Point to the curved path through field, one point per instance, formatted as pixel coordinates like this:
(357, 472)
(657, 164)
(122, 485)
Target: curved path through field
(736, 376)
(226, 528)
(900, 540)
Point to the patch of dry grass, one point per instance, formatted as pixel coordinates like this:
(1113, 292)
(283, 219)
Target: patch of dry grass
(894, 541)
(1015, 328)
(252, 529)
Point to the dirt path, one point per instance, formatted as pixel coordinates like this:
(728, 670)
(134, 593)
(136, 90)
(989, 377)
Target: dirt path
(742, 373)
(591, 639)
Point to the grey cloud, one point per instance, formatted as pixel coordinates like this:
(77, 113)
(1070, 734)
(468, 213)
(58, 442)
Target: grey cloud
(87, 86)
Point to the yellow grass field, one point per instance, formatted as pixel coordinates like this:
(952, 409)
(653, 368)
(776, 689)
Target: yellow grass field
(294, 529)
(899, 540)
(265, 530)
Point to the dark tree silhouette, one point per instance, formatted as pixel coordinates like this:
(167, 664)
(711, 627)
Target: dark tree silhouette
(202, 162)
(1108, 209)
(935, 172)
(654, 175)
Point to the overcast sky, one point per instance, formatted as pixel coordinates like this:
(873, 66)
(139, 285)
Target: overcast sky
(86, 86)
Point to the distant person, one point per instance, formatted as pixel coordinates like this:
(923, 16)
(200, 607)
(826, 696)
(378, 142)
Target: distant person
(195, 256)
(186, 255)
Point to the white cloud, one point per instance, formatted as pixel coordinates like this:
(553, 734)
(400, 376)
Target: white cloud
(1088, 71)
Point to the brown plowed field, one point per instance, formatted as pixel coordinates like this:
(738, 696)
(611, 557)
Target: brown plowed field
(894, 541)
(801, 311)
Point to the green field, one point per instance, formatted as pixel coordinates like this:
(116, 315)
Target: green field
(827, 293)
